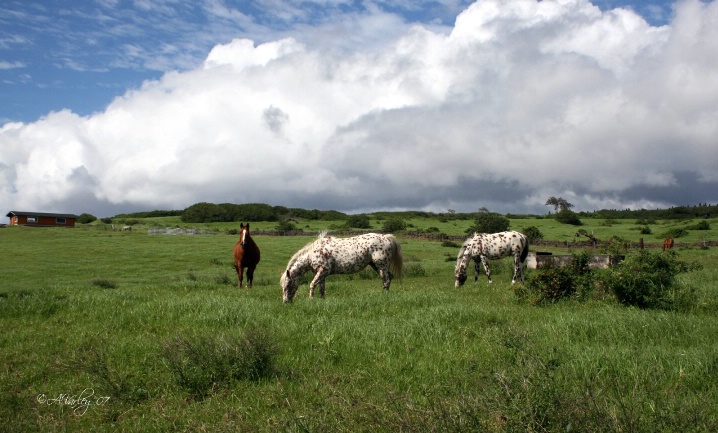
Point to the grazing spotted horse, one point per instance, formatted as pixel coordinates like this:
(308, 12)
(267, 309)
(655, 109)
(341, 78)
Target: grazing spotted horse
(246, 255)
(667, 244)
(329, 255)
(483, 246)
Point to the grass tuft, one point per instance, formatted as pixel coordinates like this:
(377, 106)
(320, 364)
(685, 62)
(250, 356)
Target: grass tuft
(104, 283)
(203, 364)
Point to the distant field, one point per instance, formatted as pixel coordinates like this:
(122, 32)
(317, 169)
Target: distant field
(119, 316)
(601, 228)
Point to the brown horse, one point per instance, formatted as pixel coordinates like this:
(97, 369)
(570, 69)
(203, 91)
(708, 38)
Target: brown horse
(246, 255)
(667, 244)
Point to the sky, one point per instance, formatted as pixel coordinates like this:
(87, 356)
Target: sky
(117, 106)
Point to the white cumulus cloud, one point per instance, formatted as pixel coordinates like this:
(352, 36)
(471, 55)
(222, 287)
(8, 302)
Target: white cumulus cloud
(517, 102)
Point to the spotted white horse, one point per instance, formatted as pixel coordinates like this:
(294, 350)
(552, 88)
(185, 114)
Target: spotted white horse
(484, 246)
(329, 255)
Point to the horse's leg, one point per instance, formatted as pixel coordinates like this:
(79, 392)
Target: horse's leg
(385, 277)
(485, 262)
(318, 279)
(250, 276)
(517, 266)
(477, 272)
(239, 275)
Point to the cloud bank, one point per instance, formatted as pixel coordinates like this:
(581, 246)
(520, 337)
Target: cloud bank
(518, 101)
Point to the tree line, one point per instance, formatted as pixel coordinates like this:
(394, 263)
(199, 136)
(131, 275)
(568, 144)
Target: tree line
(227, 212)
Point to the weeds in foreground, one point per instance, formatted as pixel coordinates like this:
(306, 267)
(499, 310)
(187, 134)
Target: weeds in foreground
(202, 364)
(104, 283)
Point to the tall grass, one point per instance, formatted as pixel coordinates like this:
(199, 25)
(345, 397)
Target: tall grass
(144, 326)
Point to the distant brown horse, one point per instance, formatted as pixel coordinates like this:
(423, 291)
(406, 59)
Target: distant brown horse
(667, 244)
(246, 255)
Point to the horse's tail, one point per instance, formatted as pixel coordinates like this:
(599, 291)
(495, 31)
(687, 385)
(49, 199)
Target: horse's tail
(525, 251)
(396, 267)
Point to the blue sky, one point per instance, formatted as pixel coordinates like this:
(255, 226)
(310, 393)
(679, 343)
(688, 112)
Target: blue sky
(133, 105)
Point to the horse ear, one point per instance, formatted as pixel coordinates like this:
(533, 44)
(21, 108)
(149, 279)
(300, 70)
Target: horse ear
(247, 226)
(241, 225)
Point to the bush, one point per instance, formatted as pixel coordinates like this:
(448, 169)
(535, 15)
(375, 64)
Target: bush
(648, 280)
(488, 222)
(358, 222)
(285, 226)
(533, 233)
(553, 283)
(414, 270)
(86, 218)
(394, 225)
(450, 244)
(567, 216)
(104, 283)
(675, 233)
(645, 230)
(703, 225)
(202, 364)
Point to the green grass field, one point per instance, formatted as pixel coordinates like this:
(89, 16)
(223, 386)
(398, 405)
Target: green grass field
(117, 331)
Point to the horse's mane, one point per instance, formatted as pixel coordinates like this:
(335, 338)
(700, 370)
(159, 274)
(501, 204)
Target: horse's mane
(307, 248)
(465, 245)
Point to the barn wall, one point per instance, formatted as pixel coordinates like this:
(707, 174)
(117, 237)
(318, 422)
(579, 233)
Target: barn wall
(42, 221)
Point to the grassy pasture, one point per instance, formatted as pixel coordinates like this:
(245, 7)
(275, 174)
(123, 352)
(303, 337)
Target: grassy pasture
(601, 228)
(91, 315)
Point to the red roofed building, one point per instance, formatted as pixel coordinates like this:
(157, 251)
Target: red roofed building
(40, 219)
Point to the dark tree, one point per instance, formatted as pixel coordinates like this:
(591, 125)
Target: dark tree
(86, 218)
(558, 203)
(358, 222)
(488, 222)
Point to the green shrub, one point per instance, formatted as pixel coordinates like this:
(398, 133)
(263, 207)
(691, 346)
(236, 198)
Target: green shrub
(703, 225)
(489, 222)
(285, 226)
(86, 218)
(645, 230)
(648, 280)
(675, 233)
(533, 233)
(112, 380)
(553, 283)
(104, 283)
(414, 270)
(450, 244)
(358, 222)
(201, 364)
(394, 225)
(567, 216)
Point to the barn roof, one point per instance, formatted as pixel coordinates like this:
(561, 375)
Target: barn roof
(41, 214)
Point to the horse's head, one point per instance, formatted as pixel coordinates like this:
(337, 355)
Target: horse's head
(243, 234)
(461, 277)
(289, 286)
(460, 270)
